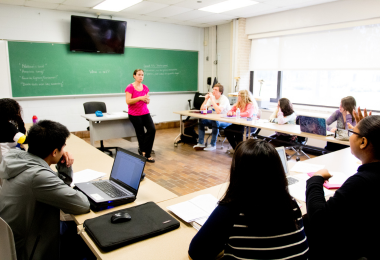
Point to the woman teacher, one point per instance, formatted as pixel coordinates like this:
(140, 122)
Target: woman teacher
(137, 98)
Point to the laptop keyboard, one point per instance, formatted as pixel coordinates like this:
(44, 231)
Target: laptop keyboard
(291, 181)
(110, 190)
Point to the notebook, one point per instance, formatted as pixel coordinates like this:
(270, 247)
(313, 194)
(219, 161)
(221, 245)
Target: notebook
(313, 125)
(122, 186)
(284, 160)
(335, 182)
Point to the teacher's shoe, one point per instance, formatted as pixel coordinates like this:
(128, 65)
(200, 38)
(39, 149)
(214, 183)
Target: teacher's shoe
(199, 147)
(210, 148)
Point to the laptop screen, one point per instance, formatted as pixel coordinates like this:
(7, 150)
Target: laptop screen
(282, 154)
(127, 169)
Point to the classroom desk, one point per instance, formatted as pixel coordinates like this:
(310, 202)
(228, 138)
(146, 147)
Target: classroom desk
(88, 157)
(175, 244)
(110, 126)
(171, 245)
(287, 128)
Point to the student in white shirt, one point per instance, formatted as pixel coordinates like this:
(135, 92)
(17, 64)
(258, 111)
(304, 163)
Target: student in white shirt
(220, 103)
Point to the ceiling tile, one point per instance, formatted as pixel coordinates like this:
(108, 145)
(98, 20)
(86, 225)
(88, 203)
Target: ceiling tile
(213, 18)
(218, 23)
(71, 8)
(245, 11)
(41, 5)
(193, 4)
(169, 11)
(147, 18)
(51, 1)
(282, 3)
(83, 3)
(12, 2)
(167, 2)
(144, 7)
(190, 15)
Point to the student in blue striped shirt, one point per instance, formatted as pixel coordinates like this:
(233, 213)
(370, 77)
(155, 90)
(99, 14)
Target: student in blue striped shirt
(256, 218)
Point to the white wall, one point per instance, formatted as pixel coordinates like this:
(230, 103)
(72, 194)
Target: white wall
(41, 25)
(318, 15)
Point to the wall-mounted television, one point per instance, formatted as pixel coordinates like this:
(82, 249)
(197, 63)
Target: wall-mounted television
(97, 35)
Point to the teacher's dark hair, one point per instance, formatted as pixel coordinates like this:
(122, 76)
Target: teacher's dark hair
(369, 127)
(46, 136)
(11, 112)
(137, 70)
(258, 184)
(286, 106)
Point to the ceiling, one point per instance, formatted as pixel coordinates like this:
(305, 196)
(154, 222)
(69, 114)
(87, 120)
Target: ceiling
(183, 12)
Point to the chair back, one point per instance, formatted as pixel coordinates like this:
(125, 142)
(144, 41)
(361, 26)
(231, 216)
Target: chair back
(198, 101)
(7, 243)
(93, 106)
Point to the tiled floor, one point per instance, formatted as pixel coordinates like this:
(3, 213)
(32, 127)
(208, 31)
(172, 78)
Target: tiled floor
(181, 169)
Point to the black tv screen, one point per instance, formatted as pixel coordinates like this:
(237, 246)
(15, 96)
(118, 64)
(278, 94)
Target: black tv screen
(97, 35)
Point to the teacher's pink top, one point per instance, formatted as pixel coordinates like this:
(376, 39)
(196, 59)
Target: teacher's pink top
(139, 108)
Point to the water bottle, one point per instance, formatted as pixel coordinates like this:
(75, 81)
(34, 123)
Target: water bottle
(205, 110)
(254, 117)
(35, 119)
(238, 114)
(213, 109)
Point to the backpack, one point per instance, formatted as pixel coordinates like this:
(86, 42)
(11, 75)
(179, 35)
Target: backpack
(189, 140)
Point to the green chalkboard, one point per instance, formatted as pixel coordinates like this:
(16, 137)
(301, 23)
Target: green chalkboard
(50, 69)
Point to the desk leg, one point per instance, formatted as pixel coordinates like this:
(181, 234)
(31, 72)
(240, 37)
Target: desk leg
(92, 135)
(181, 131)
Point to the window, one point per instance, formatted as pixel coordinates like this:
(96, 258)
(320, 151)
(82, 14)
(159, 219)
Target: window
(269, 83)
(328, 87)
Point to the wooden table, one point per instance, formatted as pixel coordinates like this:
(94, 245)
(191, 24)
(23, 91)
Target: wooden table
(88, 157)
(287, 128)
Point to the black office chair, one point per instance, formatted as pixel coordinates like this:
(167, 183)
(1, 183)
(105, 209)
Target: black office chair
(91, 108)
(199, 98)
(297, 145)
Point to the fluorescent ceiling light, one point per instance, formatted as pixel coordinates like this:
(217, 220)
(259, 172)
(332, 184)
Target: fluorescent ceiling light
(227, 6)
(116, 5)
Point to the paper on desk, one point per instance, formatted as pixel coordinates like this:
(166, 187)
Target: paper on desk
(338, 178)
(85, 176)
(196, 208)
(187, 211)
(306, 167)
(298, 191)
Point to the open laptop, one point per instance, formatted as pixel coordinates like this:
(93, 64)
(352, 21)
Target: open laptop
(122, 186)
(282, 154)
(314, 125)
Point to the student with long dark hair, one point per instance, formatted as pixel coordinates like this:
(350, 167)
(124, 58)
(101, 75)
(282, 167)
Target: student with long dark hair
(137, 98)
(12, 128)
(347, 226)
(256, 218)
(343, 117)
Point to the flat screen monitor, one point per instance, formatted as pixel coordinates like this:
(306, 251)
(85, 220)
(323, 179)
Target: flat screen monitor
(97, 35)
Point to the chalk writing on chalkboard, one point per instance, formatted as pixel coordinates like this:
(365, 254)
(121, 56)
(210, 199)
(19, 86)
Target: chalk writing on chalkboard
(159, 70)
(33, 75)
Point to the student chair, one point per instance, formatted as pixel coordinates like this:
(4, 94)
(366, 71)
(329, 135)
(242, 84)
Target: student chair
(91, 108)
(199, 98)
(7, 243)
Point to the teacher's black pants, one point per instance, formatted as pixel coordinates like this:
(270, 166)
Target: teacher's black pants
(234, 134)
(145, 139)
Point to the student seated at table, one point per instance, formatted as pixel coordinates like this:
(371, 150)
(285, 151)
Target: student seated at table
(220, 103)
(32, 193)
(248, 106)
(284, 114)
(343, 116)
(347, 226)
(256, 218)
(12, 128)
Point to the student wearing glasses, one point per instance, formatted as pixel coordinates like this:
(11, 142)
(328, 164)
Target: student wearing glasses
(345, 226)
(248, 107)
(252, 220)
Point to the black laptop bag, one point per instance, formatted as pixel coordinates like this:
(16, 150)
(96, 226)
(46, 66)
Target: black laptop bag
(148, 220)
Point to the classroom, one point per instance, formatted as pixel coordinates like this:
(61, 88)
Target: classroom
(313, 52)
